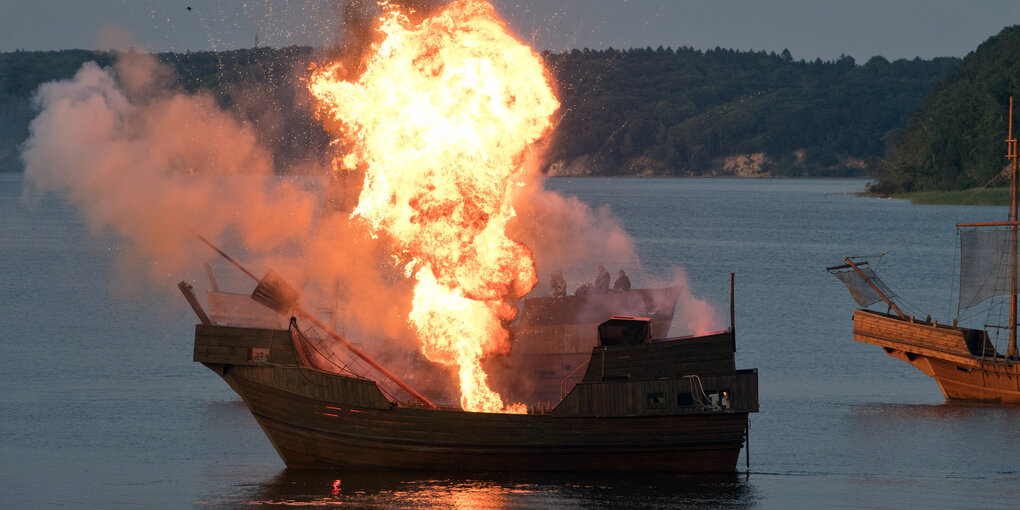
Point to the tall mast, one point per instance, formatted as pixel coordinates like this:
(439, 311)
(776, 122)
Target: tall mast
(1011, 153)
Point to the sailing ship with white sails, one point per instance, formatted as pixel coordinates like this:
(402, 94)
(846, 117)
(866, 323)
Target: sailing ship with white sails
(969, 364)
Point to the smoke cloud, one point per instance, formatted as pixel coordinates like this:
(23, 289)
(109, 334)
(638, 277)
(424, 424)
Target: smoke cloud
(155, 166)
(566, 234)
(693, 316)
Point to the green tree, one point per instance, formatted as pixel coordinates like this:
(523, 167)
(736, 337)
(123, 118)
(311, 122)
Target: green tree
(954, 141)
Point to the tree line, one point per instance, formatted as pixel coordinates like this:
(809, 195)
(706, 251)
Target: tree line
(660, 111)
(683, 111)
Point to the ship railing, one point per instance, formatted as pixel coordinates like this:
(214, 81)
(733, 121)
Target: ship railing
(571, 375)
(545, 407)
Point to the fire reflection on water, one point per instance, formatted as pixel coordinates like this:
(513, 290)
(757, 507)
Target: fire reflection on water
(531, 490)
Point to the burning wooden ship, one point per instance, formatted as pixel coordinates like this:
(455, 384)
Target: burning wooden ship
(553, 337)
(964, 361)
(643, 404)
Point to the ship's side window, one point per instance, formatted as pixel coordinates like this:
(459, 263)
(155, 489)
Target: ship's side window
(684, 399)
(656, 400)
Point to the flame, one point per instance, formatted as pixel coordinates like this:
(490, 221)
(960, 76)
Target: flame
(441, 121)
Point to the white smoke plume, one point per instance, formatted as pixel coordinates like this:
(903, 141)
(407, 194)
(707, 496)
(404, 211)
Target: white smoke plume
(566, 234)
(694, 315)
(155, 166)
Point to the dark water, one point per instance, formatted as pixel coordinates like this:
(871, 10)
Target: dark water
(102, 407)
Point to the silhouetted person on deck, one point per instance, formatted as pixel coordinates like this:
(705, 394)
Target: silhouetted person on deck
(558, 284)
(622, 283)
(602, 280)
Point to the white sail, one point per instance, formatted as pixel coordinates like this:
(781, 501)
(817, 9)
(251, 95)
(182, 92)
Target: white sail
(863, 293)
(984, 265)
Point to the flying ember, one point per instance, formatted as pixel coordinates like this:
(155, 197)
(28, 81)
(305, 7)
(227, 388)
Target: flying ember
(441, 121)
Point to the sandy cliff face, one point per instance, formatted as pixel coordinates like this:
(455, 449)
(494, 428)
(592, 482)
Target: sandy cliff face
(752, 165)
(579, 167)
(746, 165)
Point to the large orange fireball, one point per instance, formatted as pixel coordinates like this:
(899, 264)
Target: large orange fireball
(441, 121)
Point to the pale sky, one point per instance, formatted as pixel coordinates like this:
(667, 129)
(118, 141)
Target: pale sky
(808, 28)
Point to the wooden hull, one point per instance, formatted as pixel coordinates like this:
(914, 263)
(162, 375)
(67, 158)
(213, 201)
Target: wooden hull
(635, 410)
(310, 432)
(961, 360)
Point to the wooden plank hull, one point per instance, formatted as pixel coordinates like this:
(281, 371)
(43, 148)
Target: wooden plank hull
(962, 362)
(677, 405)
(980, 382)
(309, 431)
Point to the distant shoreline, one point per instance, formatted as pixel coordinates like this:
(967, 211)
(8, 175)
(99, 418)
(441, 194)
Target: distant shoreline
(986, 196)
(750, 178)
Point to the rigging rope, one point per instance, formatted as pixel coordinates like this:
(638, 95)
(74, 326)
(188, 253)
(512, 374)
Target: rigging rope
(984, 186)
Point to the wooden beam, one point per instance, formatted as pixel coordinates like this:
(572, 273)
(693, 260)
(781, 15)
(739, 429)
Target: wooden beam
(189, 294)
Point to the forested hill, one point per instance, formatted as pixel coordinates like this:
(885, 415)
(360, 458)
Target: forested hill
(688, 112)
(625, 112)
(955, 140)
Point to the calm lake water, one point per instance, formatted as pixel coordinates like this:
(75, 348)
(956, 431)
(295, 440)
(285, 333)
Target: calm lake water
(102, 407)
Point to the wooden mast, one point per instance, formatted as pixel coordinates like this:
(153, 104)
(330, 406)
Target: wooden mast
(1011, 352)
(733, 312)
(1014, 225)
